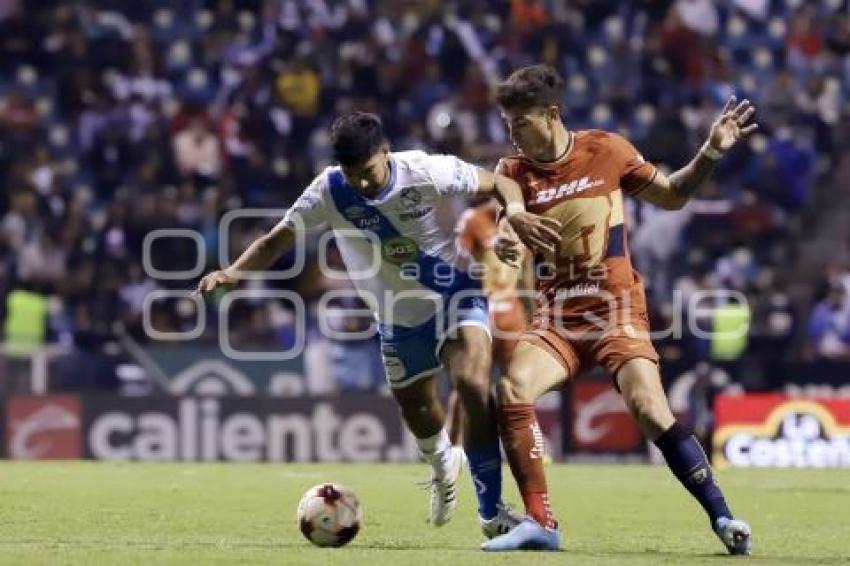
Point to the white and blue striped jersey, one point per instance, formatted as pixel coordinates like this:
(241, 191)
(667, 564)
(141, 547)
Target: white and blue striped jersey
(397, 247)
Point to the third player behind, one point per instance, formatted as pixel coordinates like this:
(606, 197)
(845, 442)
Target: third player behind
(478, 233)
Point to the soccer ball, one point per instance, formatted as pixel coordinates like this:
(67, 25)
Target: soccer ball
(329, 514)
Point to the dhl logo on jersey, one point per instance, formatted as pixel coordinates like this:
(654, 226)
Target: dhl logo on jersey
(762, 431)
(567, 189)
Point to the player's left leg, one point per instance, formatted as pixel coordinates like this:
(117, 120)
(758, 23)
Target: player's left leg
(639, 382)
(411, 366)
(466, 357)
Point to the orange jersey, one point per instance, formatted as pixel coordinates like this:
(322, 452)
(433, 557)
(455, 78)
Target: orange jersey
(590, 271)
(584, 191)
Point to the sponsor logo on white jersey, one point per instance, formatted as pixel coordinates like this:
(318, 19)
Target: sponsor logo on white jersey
(414, 214)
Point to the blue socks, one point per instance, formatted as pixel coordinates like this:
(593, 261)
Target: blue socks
(689, 464)
(485, 464)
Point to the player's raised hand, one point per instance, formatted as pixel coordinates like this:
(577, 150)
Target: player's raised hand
(211, 281)
(537, 232)
(731, 125)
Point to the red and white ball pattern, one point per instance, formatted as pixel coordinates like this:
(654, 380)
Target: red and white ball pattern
(329, 514)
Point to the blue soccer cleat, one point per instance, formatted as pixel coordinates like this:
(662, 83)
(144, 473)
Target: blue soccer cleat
(528, 535)
(735, 534)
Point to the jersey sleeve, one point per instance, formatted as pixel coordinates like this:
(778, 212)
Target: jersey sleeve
(635, 172)
(452, 176)
(310, 207)
(507, 167)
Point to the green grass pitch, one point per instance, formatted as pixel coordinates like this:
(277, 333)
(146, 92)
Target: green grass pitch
(104, 513)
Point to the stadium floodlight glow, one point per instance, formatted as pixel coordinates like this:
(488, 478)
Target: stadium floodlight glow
(275, 275)
(185, 336)
(181, 274)
(369, 272)
(300, 317)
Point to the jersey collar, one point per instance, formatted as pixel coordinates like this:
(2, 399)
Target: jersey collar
(571, 144)
(387, 188)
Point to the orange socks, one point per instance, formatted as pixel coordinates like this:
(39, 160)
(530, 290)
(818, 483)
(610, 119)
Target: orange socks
(523, 444)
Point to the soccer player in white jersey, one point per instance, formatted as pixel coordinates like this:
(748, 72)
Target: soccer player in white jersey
(427, 301)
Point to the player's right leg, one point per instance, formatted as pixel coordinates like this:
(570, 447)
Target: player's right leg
(532, 372)
(424, 416)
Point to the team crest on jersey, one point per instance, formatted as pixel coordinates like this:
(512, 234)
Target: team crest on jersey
(410, 197)
(400, 250)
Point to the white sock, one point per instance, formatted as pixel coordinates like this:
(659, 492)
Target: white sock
(437, 451)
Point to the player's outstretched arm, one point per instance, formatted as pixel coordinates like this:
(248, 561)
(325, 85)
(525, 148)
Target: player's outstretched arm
(673, 192)
(260, 255)
(536, 232)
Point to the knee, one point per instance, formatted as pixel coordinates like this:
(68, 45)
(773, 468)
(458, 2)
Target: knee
(471, 383)
(646, 406)
(412, 408)
(470, 372)
(513, 389)
(640, 402)
(415, 401)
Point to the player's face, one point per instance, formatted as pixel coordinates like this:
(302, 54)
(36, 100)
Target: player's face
(532, 131)
(369, 177)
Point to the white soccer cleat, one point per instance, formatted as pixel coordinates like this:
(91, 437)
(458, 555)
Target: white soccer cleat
(505, 520)
(444, 490)
(735, 534)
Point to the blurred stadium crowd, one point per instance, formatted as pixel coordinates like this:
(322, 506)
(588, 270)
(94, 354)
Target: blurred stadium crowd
(118, 118)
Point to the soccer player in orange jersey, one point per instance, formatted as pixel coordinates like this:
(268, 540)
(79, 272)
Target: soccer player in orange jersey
(591, 306)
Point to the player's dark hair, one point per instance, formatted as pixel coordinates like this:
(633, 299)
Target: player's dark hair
(356, 137)
(537, 86)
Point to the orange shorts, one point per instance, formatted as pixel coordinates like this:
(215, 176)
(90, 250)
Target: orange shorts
(588, 333)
